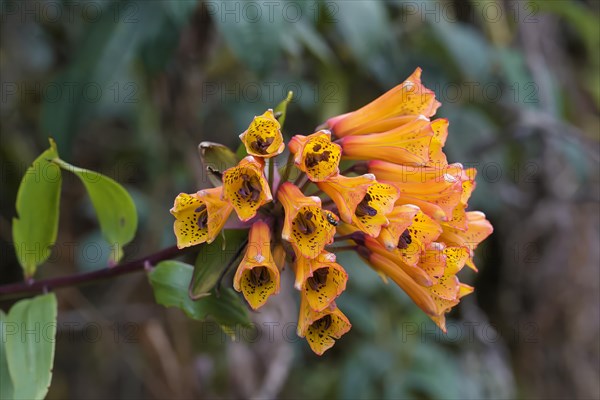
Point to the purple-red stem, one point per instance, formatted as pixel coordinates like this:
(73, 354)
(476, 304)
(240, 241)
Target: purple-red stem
(21, 289)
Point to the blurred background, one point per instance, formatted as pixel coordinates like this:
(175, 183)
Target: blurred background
(130, 88)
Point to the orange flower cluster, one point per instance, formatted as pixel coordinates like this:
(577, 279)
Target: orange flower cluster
(405, 215)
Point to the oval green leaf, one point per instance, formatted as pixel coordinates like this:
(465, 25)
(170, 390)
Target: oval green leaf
(213, 258)
(216, 158)
(36, 225)
(29, 335)
(114, 207)
(170, 280)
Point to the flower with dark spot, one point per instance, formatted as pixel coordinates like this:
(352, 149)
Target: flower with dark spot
(257, 276)
(246, 188)
(316, 155)
(263, 137)
(199, 217)
(321, 328)
(321, 279)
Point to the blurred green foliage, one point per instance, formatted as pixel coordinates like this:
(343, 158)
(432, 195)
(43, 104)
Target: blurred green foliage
(130, 88)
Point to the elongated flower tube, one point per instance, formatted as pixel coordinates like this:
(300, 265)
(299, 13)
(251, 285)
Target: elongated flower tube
(371, 213)
(257, 276)
(437, 191)
(416, 292)
(407, 144)
(246, 188)
(199, 217)
(321, 280)
(321, 328)
(306, 225)
(347, 192)
(408, 98)
(316, 155)
(263, 137)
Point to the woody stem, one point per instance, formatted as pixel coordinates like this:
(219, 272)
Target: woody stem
(28, 288)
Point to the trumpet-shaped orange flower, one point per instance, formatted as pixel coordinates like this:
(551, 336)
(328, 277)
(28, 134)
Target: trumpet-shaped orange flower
(419, 294)
(246, 187)
(316, 155)
(371, 213)
(437, 191)
(347, 192)
(321, 280)
(408, 98)
(407, 144)
(199, 217)
(321, 328)
(263, 137)
(432, 284)
(306, 226)
(257, 276)
(478, 228)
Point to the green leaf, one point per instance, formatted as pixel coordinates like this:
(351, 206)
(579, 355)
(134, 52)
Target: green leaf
(170, 281)
(216, 158)
(6, 386)
(212, 259)
(29, 335)
(282, 108)
(114, 207)
(36, 225)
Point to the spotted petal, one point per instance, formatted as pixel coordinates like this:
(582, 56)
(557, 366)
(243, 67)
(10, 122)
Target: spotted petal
(321, 329)
(199, 217)
(316, 155)
(257, 276)
(306, 226)
(246, 188)
(378, 202)
(263, 137)
(321, 279)
(347, 192)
